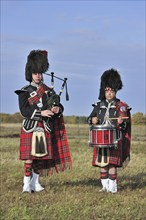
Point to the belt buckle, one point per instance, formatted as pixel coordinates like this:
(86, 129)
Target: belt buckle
(32, 94)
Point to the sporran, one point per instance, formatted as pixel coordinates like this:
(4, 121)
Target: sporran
(39, 145)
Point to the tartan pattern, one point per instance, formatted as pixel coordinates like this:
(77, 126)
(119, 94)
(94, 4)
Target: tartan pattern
(119, 156)
(27, 169)
(115, 155)
(35, 99)
(58, 157)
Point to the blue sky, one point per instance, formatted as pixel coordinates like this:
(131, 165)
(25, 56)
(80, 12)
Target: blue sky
(83, 39)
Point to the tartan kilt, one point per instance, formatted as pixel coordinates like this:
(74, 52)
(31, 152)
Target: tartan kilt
(58, 156)
(119, 156)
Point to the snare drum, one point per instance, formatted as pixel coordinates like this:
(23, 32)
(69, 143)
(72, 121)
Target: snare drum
(103, 136)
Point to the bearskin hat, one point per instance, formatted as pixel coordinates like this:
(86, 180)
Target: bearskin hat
(110, 78)
(37, 62)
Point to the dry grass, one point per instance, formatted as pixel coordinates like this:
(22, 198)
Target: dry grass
(74, 194)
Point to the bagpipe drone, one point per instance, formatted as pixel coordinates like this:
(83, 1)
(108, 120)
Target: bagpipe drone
(53, 99)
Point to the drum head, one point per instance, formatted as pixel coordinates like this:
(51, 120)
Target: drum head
(102, 127)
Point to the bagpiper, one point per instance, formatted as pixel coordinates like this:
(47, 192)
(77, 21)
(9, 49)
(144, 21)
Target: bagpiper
(43, 140)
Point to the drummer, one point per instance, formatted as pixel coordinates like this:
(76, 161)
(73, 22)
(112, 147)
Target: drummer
(112, 112)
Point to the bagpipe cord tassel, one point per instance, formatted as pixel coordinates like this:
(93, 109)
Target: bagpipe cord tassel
(67, 96)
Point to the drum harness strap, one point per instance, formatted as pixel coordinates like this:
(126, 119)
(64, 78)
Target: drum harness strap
(106, 117)
(107, 121)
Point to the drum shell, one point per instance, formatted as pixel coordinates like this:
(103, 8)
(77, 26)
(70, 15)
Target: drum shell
(103, 136)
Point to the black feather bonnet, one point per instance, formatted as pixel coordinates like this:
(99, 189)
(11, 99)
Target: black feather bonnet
(110, 78)
(37, 62)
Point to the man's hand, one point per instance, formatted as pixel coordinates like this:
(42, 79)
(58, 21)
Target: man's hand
(120, 120)
(47, 113)
(94, 120)
(55, 109)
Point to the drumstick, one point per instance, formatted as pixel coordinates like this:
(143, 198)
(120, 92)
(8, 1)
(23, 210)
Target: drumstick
(117, 118)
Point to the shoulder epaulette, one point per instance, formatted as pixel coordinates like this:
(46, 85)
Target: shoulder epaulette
(95, 104)
(24, 89)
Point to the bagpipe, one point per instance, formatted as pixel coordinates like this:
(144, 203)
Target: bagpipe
(53, 99)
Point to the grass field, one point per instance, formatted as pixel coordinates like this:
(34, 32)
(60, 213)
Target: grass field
(73, 194)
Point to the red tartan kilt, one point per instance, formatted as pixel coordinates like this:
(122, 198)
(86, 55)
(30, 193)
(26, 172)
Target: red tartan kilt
(26, 143)
(115, 155)
(57, 144)
(58, 157)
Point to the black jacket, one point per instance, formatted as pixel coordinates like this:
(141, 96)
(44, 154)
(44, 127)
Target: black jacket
(32, 113)
(117, 108)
